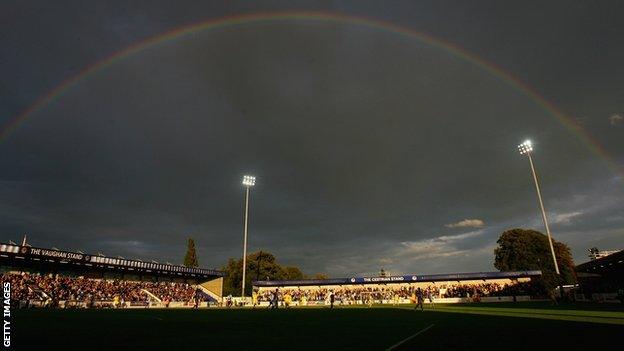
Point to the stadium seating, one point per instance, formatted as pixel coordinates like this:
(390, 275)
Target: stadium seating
(362, 294)
(53, 290)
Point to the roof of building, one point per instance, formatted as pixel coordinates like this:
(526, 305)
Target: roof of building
(604, 264)
(24, 255)
(399, 279)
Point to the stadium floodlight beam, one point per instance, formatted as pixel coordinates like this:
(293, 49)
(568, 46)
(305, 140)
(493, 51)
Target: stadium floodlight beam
(526, 148)
(248, 182)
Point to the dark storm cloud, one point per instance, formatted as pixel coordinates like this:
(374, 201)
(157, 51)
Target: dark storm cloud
(366, 144)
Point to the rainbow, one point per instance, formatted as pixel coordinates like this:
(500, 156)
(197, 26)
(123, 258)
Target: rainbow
(517, 84)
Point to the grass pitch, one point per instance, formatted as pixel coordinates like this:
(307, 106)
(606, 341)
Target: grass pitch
(500, 326)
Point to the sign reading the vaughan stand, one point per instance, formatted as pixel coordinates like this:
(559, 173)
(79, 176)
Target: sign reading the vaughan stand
(56, 254)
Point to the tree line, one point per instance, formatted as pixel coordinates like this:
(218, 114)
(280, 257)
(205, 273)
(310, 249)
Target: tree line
(261, 265)
(518, 250)
(526, 249)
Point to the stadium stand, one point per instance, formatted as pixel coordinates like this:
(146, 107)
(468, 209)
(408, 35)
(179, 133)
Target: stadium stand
(602, 279)
(445, 288)
(54, 278)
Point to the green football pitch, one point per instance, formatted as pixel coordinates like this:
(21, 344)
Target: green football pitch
(499, 326)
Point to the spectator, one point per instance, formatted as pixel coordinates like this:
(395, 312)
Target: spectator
(50, 290)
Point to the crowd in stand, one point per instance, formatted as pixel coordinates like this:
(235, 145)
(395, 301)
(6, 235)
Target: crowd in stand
(350, 295)
(53, 289)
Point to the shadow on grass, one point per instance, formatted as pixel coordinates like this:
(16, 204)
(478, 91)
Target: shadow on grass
(301, 329)
(546, 312)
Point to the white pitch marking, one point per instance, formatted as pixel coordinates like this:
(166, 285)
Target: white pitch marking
(409, 338)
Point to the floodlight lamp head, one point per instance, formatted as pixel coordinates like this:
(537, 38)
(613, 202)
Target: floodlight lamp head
(525, 148)
(249, 180)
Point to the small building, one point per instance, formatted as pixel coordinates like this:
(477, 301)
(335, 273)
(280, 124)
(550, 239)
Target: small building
(594, 253)
(602, 279)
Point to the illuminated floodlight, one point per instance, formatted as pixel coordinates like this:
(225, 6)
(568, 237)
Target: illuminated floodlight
(525, 147)
(249, 180)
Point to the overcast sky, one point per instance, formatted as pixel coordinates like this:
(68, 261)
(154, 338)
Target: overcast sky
(371, 149)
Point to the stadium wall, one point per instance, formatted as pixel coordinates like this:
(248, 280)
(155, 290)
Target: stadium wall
(214, 286)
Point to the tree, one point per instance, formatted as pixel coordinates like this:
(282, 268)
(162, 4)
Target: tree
(525, 249)
(321, 276)
(190, 260)
(382, 273)
(232, 280)
(292, 273)
(261, 265)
